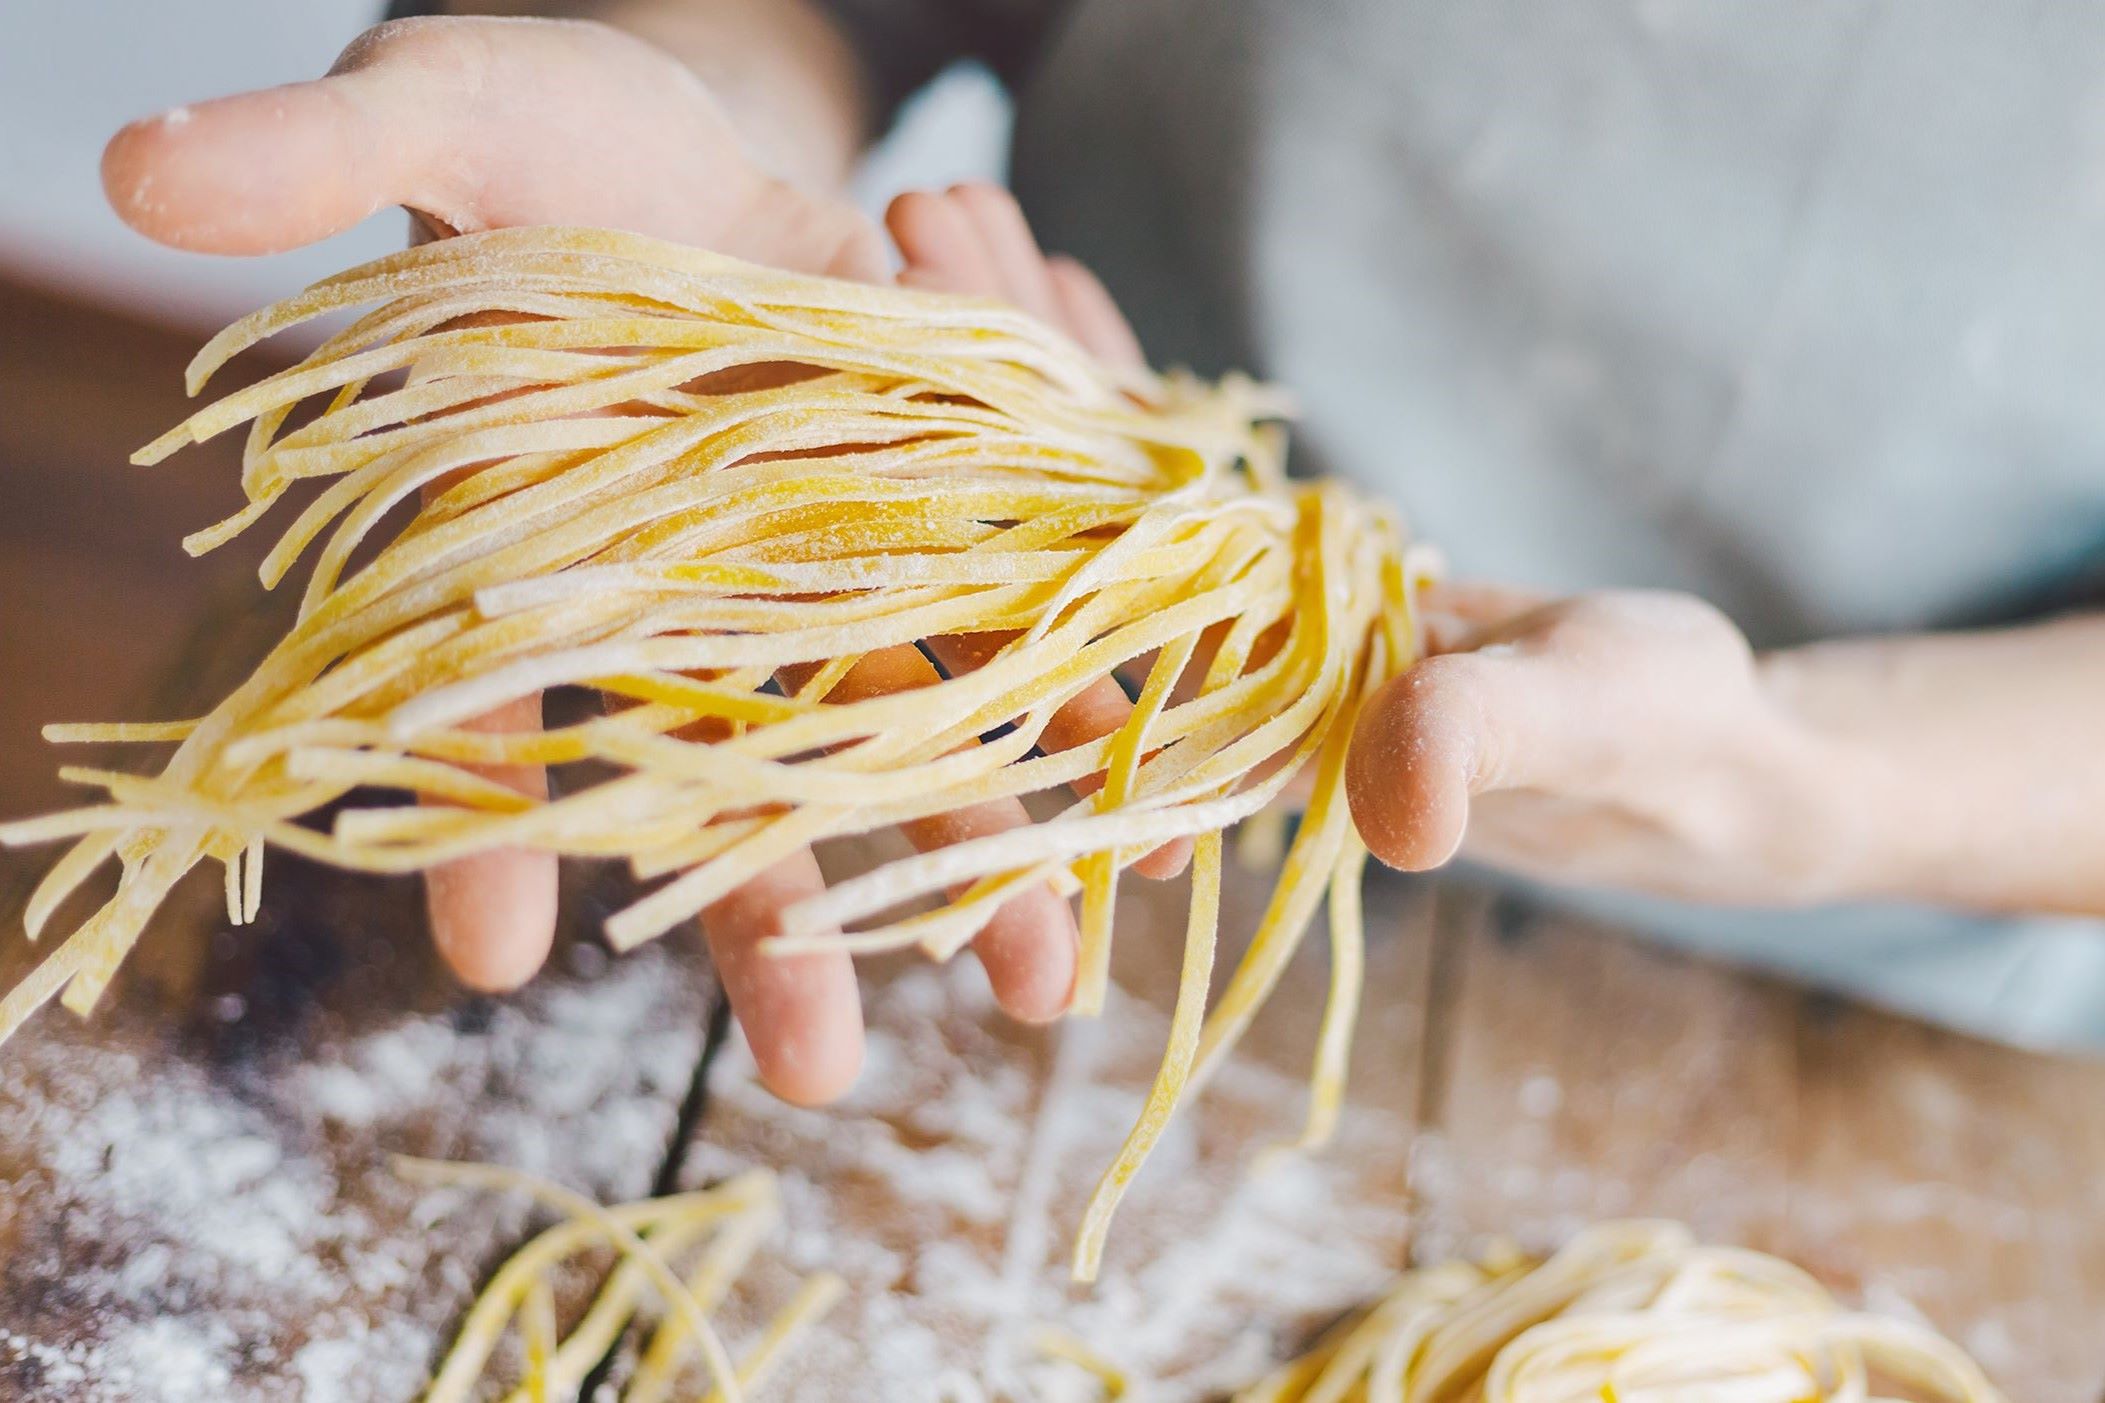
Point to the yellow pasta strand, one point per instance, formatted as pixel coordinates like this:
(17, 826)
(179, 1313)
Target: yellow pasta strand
(707, 490)
(1632, 1312)
(1052, 1342)
(733, 1217)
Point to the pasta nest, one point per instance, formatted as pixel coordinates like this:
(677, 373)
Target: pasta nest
(1625, 1312)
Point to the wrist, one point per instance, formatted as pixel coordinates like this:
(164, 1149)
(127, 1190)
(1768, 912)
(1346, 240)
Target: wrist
(1873, 827)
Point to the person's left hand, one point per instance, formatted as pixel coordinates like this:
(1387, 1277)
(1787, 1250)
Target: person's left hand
(1623, 739)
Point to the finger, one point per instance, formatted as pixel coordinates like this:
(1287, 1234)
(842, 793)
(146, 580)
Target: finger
(1451, 728)
(1446, 633)
(1532, 833)
(416, 113)
(975, 241)
(787, 227)
(1459, 615)
(800, 1012)
(1481, 601)
(1091, 714)
(1590, 691)
(493, 914)
(257, 173)
(478, 124)
(1089, 314)
(1006, 238)
(1028, 948)
(940, 246)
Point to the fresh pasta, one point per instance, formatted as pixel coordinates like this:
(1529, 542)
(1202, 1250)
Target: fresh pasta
(719, 1227)
(706, 490)
(1635, 1312)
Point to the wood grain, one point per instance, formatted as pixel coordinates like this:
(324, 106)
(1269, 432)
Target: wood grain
(1936, 1173)
(1582, 1076)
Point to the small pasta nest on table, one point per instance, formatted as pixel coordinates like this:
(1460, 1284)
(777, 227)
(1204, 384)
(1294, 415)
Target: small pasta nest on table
(1627, 1312)
(707, 490)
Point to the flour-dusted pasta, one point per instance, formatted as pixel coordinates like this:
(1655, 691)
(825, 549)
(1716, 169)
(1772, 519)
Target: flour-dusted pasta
(720, 1228)
(706, 489)
(1634, 1312)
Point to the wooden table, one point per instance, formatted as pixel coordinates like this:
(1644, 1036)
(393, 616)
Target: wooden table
(194, 1201)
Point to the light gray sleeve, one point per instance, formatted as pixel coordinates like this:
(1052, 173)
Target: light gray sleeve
(904, 43)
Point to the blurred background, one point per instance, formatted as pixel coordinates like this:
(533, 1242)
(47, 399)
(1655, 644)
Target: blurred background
(96, 596)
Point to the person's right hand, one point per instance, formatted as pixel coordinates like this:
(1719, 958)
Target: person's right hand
(480, 124)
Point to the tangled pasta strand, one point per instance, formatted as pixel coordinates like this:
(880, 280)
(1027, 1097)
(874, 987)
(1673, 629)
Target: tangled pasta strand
(1634, 1312)
(706, 489)
(725, 1222)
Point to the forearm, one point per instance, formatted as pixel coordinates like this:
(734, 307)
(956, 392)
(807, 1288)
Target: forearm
(788, 78)
(1960, 769)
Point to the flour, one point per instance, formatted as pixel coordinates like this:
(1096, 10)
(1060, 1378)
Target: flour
(383, 1362)
(232, 1237)
(948, 1187)
(198, 1179)
(62, 1369)
(1540, 1096)
(223, 1234)
(378, 1076)
(171, 1360)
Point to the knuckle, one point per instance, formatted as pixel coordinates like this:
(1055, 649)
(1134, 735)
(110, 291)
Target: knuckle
(1440, 683)
(1614, 622)
(986, 195)
(397, 39)
(1069, 279)
(1653, 611)
(861, 249)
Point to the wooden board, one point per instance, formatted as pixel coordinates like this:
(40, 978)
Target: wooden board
(1583, 1076)
(1919, 1170)
(1959, 1179)
(95, 591)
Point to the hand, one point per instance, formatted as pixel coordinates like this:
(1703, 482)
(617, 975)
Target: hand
(475, 124)
(1620, 739)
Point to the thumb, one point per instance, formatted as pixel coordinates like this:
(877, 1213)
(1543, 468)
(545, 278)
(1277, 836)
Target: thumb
(421, 113)
(1580, 698)
(1449, 729)
(479, 124)
(256, 173)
